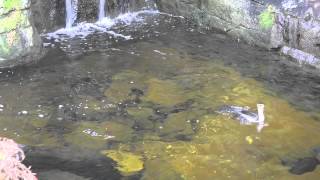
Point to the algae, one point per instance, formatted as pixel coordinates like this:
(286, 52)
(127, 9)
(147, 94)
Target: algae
(128, 163)
(95, 135)
(165, 92)
(267, 18)
(122, 85)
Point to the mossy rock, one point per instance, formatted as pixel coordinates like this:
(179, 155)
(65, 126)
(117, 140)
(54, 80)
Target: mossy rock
(128, 163)
(141, 117)
(119, 92)
(122, 86)
(165, 92)
(140, 112)
(101, 133)
(156, 172)
(91, 104)
(27, 130)
(178, 124)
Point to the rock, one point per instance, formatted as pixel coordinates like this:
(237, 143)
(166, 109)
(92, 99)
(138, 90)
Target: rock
(266, 23)
(128, 163)
(19, 40)
(126, 86)
(56, 174)
(301, 57)
(178, 126)
(93, 135)
(304, 165)
(53, 163)
(165, 92)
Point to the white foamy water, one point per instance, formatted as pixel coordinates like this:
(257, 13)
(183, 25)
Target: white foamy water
(104, 25)
(71, 11)
(102, 12)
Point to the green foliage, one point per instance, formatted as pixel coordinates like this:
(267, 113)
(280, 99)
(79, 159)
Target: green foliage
(11, 4)
(266, 18)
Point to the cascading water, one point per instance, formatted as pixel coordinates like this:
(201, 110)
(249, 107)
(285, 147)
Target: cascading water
(71, 11)
(103, 25)
(102, 12)
(151, 4)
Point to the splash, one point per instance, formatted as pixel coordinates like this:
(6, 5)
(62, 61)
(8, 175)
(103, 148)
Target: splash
(104, 25)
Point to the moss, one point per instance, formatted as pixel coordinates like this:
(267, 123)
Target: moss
(178, 124)
(12, 4)
(267, 18)
(122, 85)
(165, 92)
(154, 171)
(128, 163)
(101, 134)
(13, 21)
(140, 112)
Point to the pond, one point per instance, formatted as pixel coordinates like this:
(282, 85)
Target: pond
(147, 107)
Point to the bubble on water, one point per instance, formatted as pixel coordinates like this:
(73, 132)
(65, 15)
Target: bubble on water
(23, 113)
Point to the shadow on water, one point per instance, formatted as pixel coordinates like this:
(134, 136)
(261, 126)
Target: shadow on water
(91, 167)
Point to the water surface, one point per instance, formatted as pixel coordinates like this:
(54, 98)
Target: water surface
(146, 108)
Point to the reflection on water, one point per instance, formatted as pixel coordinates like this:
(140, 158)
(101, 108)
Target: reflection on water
(152, 104)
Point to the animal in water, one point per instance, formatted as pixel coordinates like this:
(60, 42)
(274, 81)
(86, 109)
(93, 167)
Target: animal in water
(245, 116)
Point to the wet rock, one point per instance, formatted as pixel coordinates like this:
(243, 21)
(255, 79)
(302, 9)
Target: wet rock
(19, 40)
(165, 92)
(183, 106)
(141, 116)
(304, 165)
(126, 86)
(152, 170)
(56, 174)
(266, 23)
(301, 57)
(95, 135)
(177, 126)
(127, 162)
(84, 164)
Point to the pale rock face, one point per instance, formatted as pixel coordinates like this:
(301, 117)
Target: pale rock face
(19, 41)
(267, 23)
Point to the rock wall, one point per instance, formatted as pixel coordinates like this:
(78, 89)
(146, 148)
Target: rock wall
(22, 22)
(19, 41)
(88, 9)
(266, 23)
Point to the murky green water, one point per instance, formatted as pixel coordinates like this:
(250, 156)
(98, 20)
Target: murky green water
(146, 109)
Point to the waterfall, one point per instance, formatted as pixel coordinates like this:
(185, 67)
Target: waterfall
(102, 12)
(151, 4)
(71, 11)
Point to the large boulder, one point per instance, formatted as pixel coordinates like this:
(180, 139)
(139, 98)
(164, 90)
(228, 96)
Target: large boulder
(19, 41)
(266, 23)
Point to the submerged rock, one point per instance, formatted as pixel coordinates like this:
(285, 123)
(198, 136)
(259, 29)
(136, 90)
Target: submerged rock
(165, 92)
(71, 163)
(304, 165)
(128, 163)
